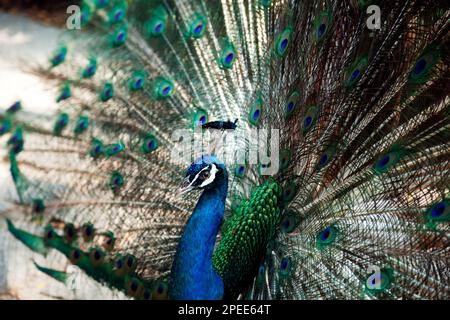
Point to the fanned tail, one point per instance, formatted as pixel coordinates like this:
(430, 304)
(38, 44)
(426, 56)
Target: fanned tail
(364, 143)
(368, 159)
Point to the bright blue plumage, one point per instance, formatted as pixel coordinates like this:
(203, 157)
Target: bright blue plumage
(193, 276)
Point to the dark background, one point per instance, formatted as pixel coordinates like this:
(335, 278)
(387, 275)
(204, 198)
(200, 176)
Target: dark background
(47, 11)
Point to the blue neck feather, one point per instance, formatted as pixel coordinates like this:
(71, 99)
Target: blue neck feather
(193, 276)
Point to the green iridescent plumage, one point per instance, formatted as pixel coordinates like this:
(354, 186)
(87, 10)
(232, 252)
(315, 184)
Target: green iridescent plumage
(355, 71)
(55, 274)
(199, 117)
(197, 26)
(228, 55)
(114, 149)
(93, 263)
(17, 177)
(65, 93)
(423, 66)
(90, 69)
(5, 126)
(81, 125)
(59, 56)
(256, 109)
(119, 36)
(33, 242)
(248, 232)
(282, 42)
(157, 24)
(61, 122)
(163, 88)
(149, 143)
(97, 148)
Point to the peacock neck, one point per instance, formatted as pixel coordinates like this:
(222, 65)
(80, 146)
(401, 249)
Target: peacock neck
(193, 276)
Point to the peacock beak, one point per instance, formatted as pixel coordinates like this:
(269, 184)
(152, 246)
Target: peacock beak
(185, 186)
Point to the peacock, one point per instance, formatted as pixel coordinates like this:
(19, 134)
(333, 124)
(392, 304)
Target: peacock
(349, 195)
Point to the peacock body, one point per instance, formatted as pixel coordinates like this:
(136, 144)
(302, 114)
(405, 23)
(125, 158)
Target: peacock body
(357, 205)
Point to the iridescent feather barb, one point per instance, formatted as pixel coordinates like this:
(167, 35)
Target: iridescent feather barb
(360, 205)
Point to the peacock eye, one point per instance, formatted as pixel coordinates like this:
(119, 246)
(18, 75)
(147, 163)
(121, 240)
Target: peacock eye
(228, 55)
(282, 42)
(69, 232)
(49, 234)
(59, 56)
(96, 148)
(116, 181)
(147, 295)
(379, 281)
(424, 65)
(321, 30)
(321, 25)
(255, 112)
(85, 15)
(149, 143)
(386, 161)
(200, 117)
(15, 107)
(290, 221)
(160, 291)
(285, 266)
(261, 274)
(198, 26)
(38, 206)
(119, 263)
(16, 141)
(239, 171)
(117, 15)
(75, 255)
(158, 28)
(285, 159)
(82, 125)
(163, 88)
(198, 29)
(135, 288)
(90, 69)
(439, 212)
(130, 263)
(326, 237)
(120, 266)
(61, 123)
(355, 71)
(107, 92)
(108, 241)
(119, 37)
(291, 103)
(88, 232)
(96, 256)
(64, 94)
(326, 157)
(114, 149)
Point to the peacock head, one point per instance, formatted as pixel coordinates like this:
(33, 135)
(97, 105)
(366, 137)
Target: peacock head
(207, 172)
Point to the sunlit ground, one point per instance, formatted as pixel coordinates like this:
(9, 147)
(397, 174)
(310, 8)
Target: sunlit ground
(21, 41)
